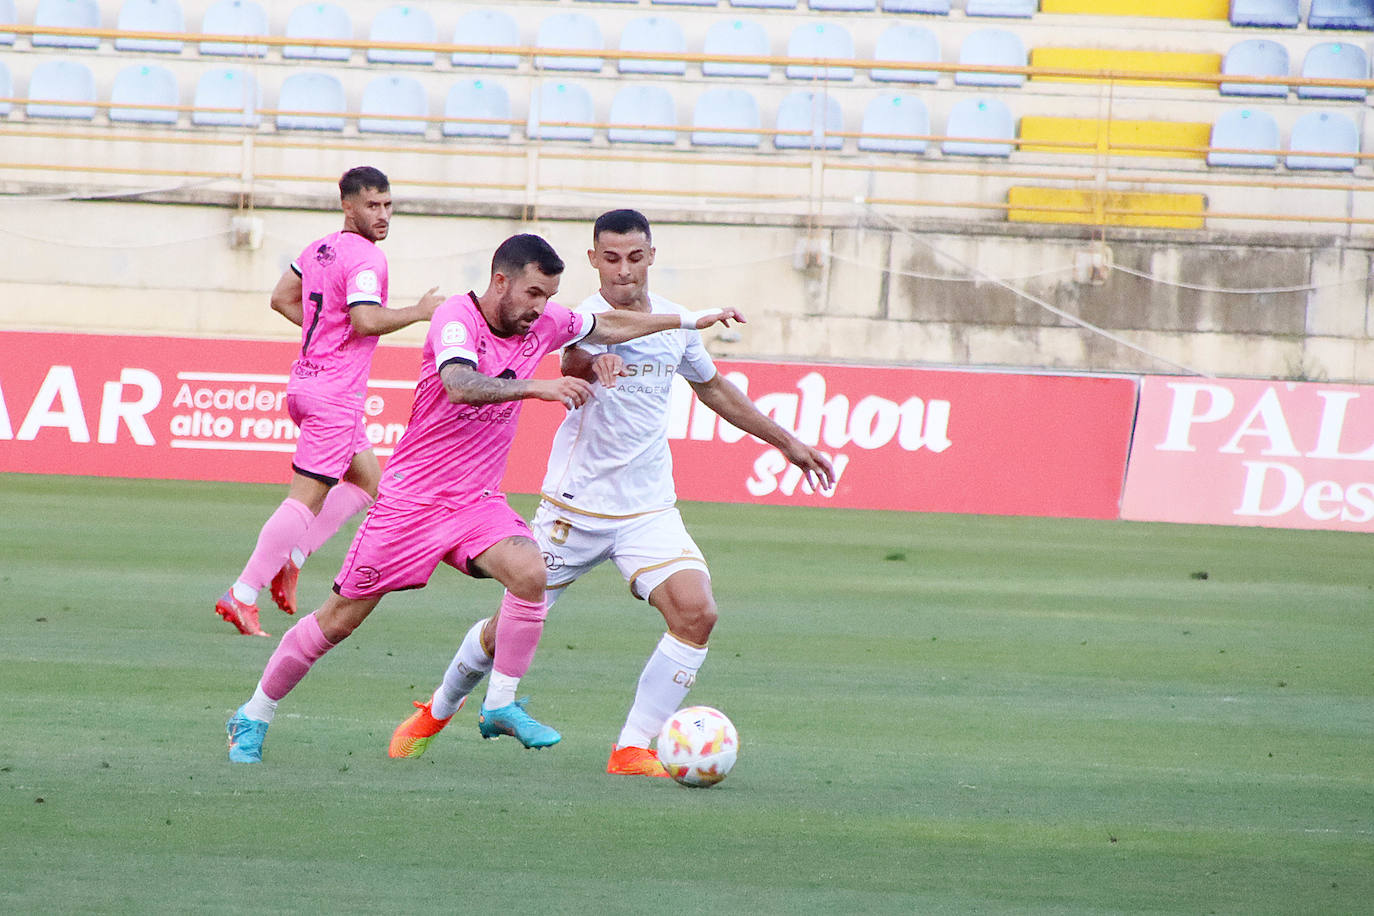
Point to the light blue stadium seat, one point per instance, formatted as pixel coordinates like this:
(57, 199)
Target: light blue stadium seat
(738, 38)
(1334, 60)
(481, 100)
(311, 100)
(823, 40)
(227, 88)
(396, 95)
(1255, 57)
(138, 86)
(6, 89)
(66, 14)
(975, 127)
(1245, 129)
(725, 117)
(492, 28)
(686, 2)
(7, 17)
(569, 31)
(609, 1)
(1265, 14)
(649, 34)
(643, 114)
(558, 110)
(997, 47)
(931, 7)
(766, 4)
(1019, 9)
(1341, 14)
(55, 80)
(402, 23)
(843, 6)
(1323, 132)
(234, 17)
(904, 116)
(908, 44)
(327, 21)
(816, 115)
(150, 16)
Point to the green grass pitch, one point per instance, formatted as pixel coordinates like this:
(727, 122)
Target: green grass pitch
(938, 715)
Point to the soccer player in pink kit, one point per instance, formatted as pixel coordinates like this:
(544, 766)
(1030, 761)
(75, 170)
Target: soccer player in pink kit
(337, 292)
(439, 499)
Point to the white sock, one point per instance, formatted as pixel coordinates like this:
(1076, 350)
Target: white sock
(663, 685)
(470, 664)
(298, 557)
(261, 707)
(245, 593)
(500, 690)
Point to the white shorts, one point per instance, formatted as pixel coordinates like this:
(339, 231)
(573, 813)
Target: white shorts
(647, 549)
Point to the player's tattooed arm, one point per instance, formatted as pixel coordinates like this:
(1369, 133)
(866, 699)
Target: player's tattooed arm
(465, 385)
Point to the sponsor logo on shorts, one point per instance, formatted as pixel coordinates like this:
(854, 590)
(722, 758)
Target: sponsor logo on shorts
(365, 577)
(559, 532)
(553, 561)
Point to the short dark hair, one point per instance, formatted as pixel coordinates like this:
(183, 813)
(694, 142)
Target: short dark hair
(363, 176)
(621, 222)
(518, 250)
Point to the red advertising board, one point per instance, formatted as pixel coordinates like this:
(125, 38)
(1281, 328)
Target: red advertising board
(913, 439)
(1233, 452)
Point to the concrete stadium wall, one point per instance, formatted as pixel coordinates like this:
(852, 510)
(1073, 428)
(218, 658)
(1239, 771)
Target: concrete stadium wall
(876, 293)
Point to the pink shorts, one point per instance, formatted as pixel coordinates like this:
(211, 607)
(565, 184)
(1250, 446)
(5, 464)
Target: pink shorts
(331, 434)
(401, 542)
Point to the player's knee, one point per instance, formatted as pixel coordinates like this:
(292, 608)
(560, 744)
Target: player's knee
(528, 581)
(694, 620)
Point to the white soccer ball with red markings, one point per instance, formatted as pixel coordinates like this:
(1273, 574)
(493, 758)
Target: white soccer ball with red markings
(698, 746)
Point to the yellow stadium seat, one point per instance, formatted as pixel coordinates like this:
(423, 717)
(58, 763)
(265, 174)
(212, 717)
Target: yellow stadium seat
(1161, 9)
(1119, 61)
(1173, 139)
(1106, 208)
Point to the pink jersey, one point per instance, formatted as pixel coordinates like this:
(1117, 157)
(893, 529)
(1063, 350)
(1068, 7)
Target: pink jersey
(337, 272)
(456, 453)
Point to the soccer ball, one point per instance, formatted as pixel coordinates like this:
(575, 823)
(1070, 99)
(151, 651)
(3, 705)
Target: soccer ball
(697, 746)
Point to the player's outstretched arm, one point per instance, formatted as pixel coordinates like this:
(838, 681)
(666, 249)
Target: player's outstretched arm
(619, 325)
(286, 297)
(373, 320)
(721, 395)
(465, 385)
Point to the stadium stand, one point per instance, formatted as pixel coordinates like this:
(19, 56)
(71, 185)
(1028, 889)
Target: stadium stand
(1164, 9)
(234, 17)
(726, 117)
(138, 86)
(766, 4)
(1335, 60)
(843, 6)
(931, 7)
(561, 111)
(57, 87)
(150, 16)
(1265, 14)
(1117, 136)
(227, 97)
(735, 38)
(977, 126)
(326, 21)
(1108, 208)
(649, 34)
(1244, 129)
(477, 108)
(809, 120)
(907, 44)
(642, 114)
(1320, 132)
(311, 100)
(895, 123)
(1341, 14)
(991, 47)
(66, 14)
(409, 24)
(1123, 60)
(821, 40)
(569, 32)
(1022, 9)
(493, 28)
(1255, 57)
(393, 104)
(7, 17)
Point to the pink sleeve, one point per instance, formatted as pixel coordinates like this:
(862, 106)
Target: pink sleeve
(568, 327)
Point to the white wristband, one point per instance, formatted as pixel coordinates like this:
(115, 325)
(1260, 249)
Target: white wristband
(689, 321)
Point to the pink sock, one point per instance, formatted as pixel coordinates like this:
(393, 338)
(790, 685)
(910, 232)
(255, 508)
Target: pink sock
(279, 534)
(344, 501)
(300, 647)
(517, 635)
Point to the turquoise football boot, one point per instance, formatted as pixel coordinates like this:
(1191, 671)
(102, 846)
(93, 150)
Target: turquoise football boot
(512, 720)
(245, 738)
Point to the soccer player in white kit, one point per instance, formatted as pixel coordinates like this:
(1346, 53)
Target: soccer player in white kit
(608, 495)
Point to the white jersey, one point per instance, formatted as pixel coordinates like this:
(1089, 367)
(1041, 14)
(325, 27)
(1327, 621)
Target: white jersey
(610, 456)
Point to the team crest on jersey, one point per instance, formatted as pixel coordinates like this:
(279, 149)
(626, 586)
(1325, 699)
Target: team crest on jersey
(325, 255)
(367, 281)
(455, 334)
